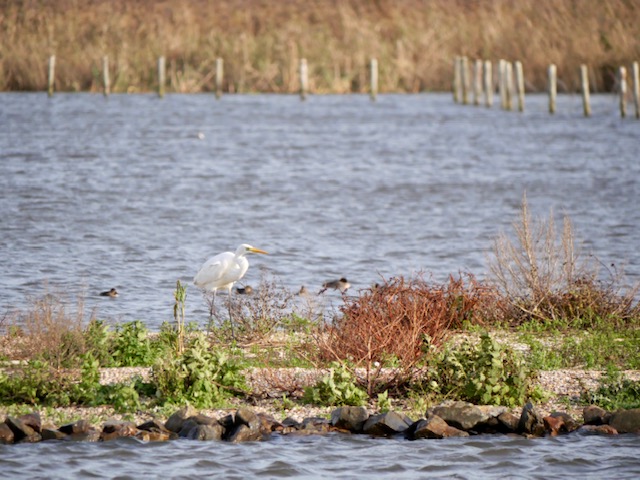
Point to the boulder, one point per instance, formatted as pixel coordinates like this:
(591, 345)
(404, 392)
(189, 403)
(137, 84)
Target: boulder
(155, 426)
(21, 431)
(206, 432)
(76, 428)
(6, 434)
(113, 429)
(530, 421)
(243, 433)
(597, 430)
(315, 425)
(508, 422)
(626, 421)
(53, 434)
(433, 427)
(154, 436)
(175, 421)
(349, 418)
(563, 422)
(466, 416)
(246, 416)
(33, 420)
(386, 424)
(594, 415)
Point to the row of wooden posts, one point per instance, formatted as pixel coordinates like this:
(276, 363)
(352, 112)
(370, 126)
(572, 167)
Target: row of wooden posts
(478, 82)
(303, 73)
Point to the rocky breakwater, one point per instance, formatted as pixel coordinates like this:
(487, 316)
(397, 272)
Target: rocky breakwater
(450, 419)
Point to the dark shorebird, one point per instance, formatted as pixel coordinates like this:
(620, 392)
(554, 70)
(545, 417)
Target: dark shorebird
(342, 284)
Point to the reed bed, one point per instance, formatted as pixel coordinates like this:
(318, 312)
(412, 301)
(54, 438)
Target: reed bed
(262, 42)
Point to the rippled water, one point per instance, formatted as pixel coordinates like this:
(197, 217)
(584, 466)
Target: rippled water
(332, 456)
(122, 192)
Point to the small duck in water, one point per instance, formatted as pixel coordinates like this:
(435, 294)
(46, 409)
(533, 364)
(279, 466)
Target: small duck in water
(111, 293)
(341, 284)
(246, 290)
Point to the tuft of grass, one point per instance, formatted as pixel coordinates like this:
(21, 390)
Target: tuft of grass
(614, 392)
(544, 279)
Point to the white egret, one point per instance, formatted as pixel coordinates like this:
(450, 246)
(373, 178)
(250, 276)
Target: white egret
(223, 270)
(111, 293)
(342, 284)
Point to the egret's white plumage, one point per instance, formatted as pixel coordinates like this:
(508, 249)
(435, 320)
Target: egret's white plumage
(223, 270)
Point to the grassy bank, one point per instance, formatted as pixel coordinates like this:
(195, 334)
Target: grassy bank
(261, 42)
(545, 308)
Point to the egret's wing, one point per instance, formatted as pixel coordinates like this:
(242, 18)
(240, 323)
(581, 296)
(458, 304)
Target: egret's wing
(213, 270)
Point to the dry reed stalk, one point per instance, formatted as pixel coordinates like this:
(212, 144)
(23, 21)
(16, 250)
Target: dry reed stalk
(414, 41)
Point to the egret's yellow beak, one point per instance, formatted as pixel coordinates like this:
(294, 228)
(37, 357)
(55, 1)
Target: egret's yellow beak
(257, 250)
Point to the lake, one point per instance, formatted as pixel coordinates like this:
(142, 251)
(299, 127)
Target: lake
(134, 192)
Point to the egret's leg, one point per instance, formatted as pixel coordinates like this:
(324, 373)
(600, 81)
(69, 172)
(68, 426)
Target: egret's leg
(231, 316)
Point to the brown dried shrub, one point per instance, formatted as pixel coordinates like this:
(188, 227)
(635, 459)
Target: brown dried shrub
(389, 329)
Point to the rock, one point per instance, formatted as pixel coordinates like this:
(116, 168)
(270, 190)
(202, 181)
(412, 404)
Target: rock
(152, 436)
(553, 424)
(598, 430)
(386, 424)
(206, 432)
(76, 428)
(569, 424)
(153, 426)
(21, 431)
(509, 422)
(243, 433)
(530, 421)
(466, 416)
(6, 434)
(33, 420)
(113, 429)
(246, 416)
(53, 434)
(349, 418)
(175, 421)
(626, 421)
(315, 425)
(90, 435)
(247, 427)
(188, 425)
(594, 415)
(268, 423)
(433, 427)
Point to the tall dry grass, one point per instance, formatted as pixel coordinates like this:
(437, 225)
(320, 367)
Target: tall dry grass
(262, 41)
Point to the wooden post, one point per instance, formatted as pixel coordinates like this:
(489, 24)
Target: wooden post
(477, 82)
(488, 83)
(553, 88)
(622, 78)
(636, 88)
(52, 75)
(105, 76)
(584, 85)
(161, 76)
(502, 83)
(457, 81)
(520, 85)
(508, 77)
(374, 79)
(464, 80)
(219, 76)
(304, 79)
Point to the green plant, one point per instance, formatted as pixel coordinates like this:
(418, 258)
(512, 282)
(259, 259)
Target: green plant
(180, 296)
(488, 373)
(338, 387)
(384, 402)
(199, 376)
(132, 346)
(615, 392)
